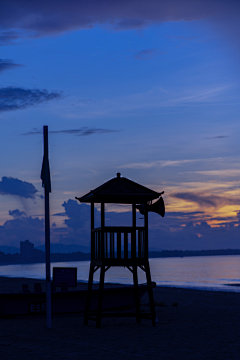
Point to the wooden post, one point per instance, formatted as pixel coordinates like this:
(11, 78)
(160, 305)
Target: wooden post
(118, 245)
(89, 293)
(93, 245)
(146, 234)
(100, 296)
(102, 270)
(102, 230)
(133, 237)
(136, 294)
(125, 245)
(150, 293)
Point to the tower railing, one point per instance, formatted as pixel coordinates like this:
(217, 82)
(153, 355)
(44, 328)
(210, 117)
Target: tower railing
(112, 242)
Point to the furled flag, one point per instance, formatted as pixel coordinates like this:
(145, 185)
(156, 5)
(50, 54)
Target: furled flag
(45, 174)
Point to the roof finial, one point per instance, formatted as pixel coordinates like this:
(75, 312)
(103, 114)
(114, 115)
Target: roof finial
(118, 175)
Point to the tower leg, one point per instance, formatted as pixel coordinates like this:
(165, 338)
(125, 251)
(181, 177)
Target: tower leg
(89, 293)
(150, 293)
(136, 294)
(100, 296)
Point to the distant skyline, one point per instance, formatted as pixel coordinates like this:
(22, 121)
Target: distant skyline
(149, 89)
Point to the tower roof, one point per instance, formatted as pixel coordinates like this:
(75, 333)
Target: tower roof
(120, 190)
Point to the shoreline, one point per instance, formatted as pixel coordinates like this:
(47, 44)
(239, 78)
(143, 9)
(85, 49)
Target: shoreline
(13, 284)
(192, 324)
(9, 284)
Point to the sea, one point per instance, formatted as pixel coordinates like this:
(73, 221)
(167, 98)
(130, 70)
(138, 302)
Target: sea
(214, 273)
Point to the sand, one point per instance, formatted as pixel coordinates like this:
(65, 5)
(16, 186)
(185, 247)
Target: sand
(204, 325)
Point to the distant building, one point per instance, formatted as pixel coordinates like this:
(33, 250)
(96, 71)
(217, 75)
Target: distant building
(26, 250)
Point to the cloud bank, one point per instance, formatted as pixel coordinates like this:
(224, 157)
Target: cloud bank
(7, 64)
(46, 17)
(177, 230)
(21, 228)
(11, 186)
(207, 201)
(13, 98)
(8, 37)
(84, 131)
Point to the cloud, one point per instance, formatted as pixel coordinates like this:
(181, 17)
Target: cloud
(148, 53)
(206, 201)
(158, 98)
(77, 225)
(21, 228)
(217, 137)
(78, 214)
(84, 131)
(223, 172)
(7, 65)
(128, 24)
(177, 230)
(44, 17)
(12, 98)
(16, 213)
(11, 186)
(157, 163)
(8, 37)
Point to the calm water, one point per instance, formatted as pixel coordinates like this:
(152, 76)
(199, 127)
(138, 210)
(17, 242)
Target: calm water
(201, 272)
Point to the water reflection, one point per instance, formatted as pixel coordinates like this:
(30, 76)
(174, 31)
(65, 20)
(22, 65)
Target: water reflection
(209, 272)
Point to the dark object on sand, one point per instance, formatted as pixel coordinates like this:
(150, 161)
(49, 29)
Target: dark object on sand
(66, 275)
(125, 246)
(115, 298)
(25, 288)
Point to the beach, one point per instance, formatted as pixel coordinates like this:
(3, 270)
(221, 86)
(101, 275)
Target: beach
(200, 325)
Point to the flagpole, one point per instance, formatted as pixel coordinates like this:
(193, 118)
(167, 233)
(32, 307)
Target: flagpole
(47, 188)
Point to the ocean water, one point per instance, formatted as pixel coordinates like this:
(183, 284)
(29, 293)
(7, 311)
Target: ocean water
(198, 272)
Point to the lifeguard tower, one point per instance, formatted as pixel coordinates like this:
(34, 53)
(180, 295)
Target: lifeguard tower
(121, 245)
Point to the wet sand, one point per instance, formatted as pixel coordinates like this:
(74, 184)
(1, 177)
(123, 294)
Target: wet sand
(203, 325)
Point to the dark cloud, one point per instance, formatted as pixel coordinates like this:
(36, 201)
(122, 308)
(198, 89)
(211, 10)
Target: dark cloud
(12, 98)
(148, 53)
(7, 65)
(77, 225)
(8, 37)
(180, 232)
(16, 213)
(129, 24)
(21, 228)
(78, 214)
(11, 186)
(177, 230)
(84, 131)
(54, 16)
(217, 137)
(207, 201)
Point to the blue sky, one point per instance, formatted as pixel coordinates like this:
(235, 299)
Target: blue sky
(150, 90)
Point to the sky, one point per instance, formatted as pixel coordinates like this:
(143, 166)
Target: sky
(149, 89)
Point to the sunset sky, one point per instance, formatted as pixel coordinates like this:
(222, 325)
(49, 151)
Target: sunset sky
(149, 89)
